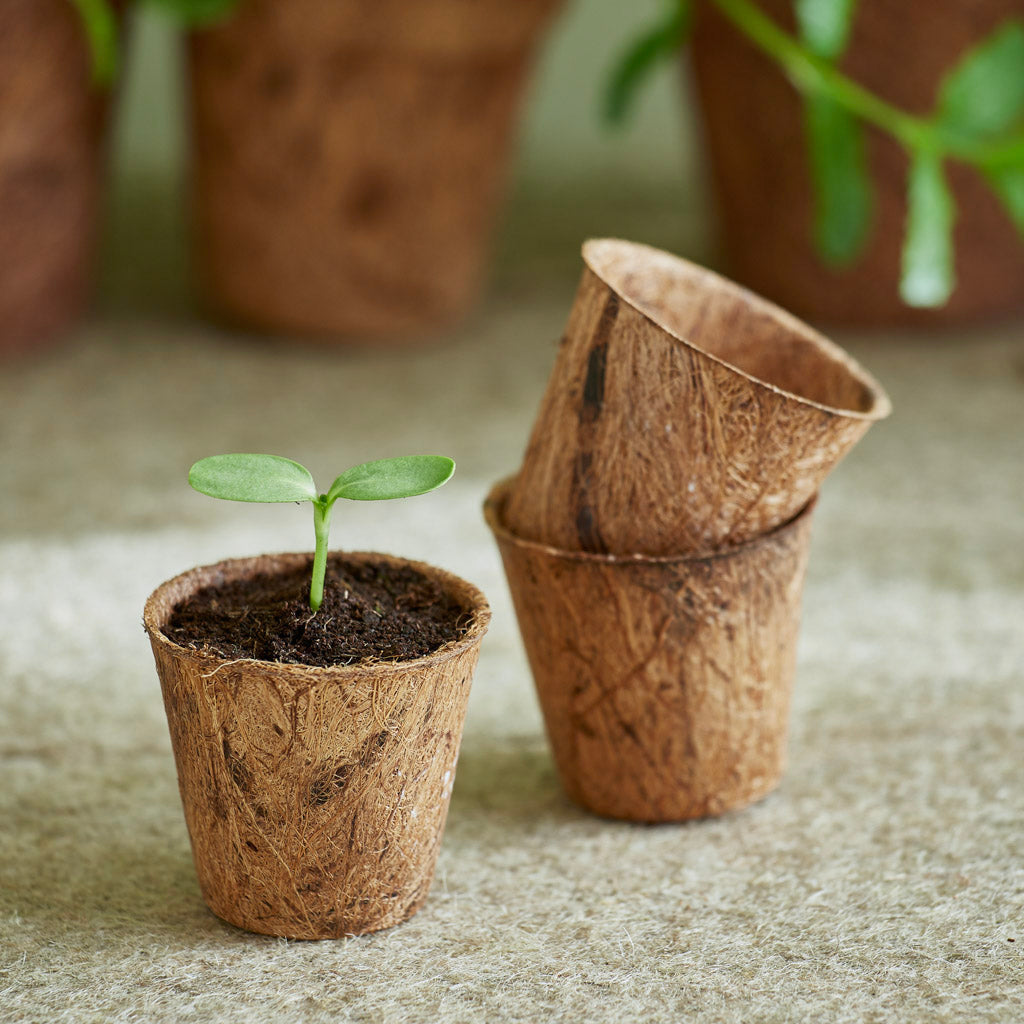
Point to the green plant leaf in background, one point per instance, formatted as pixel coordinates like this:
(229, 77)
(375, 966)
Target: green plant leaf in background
(252, 478)
(102, 30)
(1008, 185)
(843, 191)
(927, 277)
(384, 479)
(825, 25)
(983, 96)
(978, 121)
(100, 24)
(661, 42)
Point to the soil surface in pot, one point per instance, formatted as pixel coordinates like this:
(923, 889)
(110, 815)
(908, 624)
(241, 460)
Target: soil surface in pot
(372, 611)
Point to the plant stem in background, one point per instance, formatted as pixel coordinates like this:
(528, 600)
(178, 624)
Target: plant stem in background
(982, 98)
(978, 119)
(810, 74)
(100, 25)
(101, 28)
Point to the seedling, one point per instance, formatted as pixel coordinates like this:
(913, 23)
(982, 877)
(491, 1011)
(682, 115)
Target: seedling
(271, 478)
(978, 120)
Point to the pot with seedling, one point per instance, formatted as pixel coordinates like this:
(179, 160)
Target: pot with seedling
(315, 708)
(348, 158)
(867, 160)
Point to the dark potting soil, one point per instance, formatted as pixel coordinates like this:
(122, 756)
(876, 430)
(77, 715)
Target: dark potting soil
(372, 611)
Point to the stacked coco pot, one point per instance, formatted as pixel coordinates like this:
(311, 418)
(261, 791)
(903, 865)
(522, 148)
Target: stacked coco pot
(656, 537)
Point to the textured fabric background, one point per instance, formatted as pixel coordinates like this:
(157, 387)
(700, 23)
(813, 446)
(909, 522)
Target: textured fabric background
(884, 881)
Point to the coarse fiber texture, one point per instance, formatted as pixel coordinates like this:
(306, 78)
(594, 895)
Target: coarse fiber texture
(315, 797)
(665, 682)
(761, 180)
(52, 121)
(683, 413)
(346, 176)
(881, 882)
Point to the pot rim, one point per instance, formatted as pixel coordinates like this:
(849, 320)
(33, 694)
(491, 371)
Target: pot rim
(494, 507)
(171, 591)
(468, 29)
(881, 405)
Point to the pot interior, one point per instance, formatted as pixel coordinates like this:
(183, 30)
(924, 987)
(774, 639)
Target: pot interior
(735, 326)
(162, 602)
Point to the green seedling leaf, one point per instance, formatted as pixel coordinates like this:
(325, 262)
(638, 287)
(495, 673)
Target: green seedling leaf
(983, 96)
(843, 192)
(273, 478)
(392, 478)
(927, 278)
(252, 478)
(100, 24)
(662, 42)
(1008, 184)
(196, 12)
(825, 25)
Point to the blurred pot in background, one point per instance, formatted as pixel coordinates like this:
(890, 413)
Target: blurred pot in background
(53, 116)
(349, 157)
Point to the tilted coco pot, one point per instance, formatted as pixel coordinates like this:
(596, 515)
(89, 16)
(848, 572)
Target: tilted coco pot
(683, 413)
(315, 798)
(753, 126)
(664, 681)
(349, 157)
(52, 159)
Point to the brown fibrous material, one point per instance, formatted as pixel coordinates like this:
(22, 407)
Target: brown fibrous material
(665, 682)
(683, 413)
(315, 798)
(349, 158)
(52, 159)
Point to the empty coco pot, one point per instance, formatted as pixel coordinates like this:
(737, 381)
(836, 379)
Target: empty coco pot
(664, 681)
(683, 413)
(315, 798)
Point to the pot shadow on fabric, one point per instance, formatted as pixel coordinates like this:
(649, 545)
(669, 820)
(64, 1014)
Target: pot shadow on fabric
(511, 783)
(114, 877)
(126, 869)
